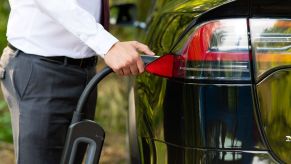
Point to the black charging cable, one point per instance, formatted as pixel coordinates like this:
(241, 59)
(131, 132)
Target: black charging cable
(94, 82)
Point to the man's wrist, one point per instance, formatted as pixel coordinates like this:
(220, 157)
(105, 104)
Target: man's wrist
(108, 43)
(114, 45)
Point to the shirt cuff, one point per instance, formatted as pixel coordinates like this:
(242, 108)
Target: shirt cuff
(102, 42)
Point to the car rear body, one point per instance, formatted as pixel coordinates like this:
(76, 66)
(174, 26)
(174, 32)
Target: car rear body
(223, 95)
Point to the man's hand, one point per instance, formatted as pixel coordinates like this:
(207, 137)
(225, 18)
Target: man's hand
(124, 59)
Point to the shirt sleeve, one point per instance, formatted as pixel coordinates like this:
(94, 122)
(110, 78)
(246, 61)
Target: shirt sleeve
(79, 22)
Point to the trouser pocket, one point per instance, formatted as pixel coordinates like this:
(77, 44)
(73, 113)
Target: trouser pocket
(21, 73)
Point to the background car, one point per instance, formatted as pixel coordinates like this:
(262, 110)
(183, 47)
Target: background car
(221, 90)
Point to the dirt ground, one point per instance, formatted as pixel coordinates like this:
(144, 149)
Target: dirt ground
(114, 151)
(6, 153)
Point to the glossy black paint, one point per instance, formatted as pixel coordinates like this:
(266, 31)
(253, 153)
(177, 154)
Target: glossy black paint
(274, 107)
(226, 9)
(272, 87)
(180, 121)
(271, 8)
(234, 9)
(218, 118)
(173, 154)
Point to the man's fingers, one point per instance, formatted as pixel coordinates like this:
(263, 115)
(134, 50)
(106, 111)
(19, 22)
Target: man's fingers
(126, 71)
(134, 69)
(140, 66)
(124, 57)
(119, 72)
(143, 48)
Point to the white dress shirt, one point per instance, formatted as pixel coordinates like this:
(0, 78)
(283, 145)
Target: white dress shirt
(58, 28)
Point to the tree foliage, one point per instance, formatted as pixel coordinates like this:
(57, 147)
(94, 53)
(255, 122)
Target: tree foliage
(4, 10)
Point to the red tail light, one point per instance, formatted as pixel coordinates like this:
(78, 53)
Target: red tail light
(217, 50)
(163, 66)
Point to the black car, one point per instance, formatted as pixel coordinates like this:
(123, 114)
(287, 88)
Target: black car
(221, 90)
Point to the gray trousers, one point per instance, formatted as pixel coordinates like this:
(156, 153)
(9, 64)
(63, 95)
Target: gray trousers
(41, 96)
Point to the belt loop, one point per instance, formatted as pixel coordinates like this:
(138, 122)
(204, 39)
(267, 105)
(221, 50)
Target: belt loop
(16, 53)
